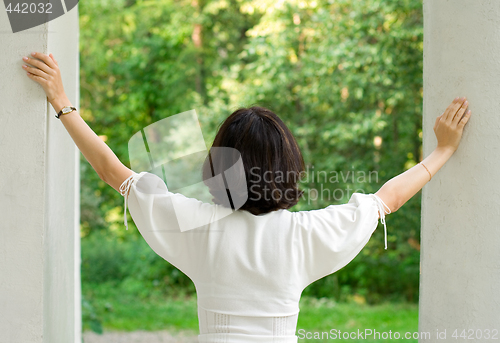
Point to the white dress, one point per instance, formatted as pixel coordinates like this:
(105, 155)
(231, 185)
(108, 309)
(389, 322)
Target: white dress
(249, 270)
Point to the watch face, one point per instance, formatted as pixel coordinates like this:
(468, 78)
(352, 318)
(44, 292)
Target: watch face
(66, 110)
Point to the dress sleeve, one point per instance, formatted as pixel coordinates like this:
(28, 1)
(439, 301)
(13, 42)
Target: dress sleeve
(174, 226)
(331, 237)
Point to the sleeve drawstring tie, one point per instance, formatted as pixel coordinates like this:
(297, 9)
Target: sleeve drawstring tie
(381, 210)
(124, 191)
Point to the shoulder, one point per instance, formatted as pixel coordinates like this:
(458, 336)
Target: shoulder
(150, 194)
(359, 204)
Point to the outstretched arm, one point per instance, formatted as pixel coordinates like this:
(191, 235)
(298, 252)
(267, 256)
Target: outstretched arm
(45, 70)
(448, 129)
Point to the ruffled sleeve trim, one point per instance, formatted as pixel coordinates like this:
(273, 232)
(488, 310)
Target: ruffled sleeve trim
(382, 213)
(124, 191)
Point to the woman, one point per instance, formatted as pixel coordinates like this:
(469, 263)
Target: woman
(251, 265)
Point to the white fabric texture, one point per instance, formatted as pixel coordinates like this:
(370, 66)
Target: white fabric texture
(249, 269)
(220, 327)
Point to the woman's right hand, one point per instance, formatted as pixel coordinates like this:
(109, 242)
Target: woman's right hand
(450, 125)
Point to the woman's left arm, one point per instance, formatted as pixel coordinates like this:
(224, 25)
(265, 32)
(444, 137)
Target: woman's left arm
(45, 70)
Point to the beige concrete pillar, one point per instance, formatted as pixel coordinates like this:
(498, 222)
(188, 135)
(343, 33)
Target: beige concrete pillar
(460, 256)
(39, 192)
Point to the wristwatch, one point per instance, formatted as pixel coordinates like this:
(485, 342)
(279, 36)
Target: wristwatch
(65, 110)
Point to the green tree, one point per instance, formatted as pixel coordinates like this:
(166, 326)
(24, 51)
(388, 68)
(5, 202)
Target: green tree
(344, 75)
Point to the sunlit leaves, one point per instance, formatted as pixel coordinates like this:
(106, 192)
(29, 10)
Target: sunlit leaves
(338, 72)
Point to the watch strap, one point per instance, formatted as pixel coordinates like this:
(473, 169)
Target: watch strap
(61, 111)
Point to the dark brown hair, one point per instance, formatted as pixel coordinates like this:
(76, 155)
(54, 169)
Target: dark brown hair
(272, 161)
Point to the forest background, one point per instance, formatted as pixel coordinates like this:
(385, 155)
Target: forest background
(344, 75)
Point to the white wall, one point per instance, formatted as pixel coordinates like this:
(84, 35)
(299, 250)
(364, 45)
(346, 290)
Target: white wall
(460, 256)
(39, 192)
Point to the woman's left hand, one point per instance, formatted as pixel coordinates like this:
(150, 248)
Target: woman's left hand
(45, 70)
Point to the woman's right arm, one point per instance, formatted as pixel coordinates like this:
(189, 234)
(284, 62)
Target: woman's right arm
(448, 129)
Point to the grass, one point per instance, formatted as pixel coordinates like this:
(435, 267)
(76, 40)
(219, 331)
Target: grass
(120, 309)
(123, 309)
(327, 319)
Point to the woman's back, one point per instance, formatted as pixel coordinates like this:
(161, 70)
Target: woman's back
(249, 270)
(245, 285)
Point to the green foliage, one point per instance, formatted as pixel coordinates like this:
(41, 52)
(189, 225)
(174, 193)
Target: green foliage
(130, 264)
(344, 75)
(89, 317)
(117, 307)
(102, 258)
